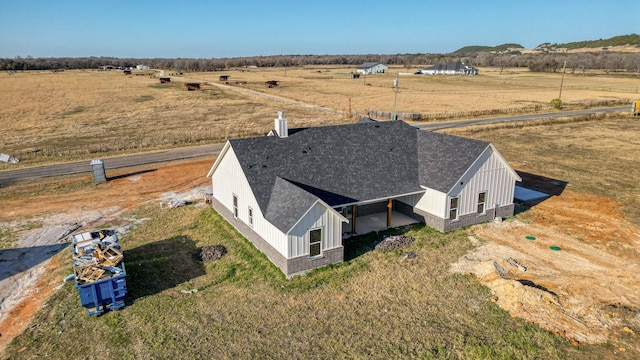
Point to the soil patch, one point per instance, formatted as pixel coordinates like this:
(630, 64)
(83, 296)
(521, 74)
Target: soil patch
(575, 291)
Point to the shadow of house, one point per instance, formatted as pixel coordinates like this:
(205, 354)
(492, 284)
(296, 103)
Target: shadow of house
(549, 186)
(17, 260)
(161, 265)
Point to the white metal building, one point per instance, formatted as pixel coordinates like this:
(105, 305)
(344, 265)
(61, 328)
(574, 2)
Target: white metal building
(372, 68)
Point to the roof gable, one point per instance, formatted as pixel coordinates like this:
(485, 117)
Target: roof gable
(443, 159)
(287, 204)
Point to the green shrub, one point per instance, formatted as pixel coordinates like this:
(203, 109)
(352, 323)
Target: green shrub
(557, 103)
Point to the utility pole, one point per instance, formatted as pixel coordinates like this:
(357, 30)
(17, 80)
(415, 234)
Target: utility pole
(562, 81)
(395, 103)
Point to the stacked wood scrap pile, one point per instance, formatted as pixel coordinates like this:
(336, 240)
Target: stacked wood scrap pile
(96, 256)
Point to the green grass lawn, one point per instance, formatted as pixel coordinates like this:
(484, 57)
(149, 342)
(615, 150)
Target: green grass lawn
(377, 305)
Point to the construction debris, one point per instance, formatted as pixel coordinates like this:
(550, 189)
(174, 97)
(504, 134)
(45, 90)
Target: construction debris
(96, 255)
(99, 270)
(211, 252)
(393, 242)
(8, 159)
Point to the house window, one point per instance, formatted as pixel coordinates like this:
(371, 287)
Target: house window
(482, 199)
(315, 241)
(235, 206)
(453, 208)
(250, 217)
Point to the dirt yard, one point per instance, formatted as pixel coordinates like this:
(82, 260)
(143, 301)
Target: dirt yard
(588, 291)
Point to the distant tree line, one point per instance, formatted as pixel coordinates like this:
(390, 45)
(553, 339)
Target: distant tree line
(539, 62)
(622, 40)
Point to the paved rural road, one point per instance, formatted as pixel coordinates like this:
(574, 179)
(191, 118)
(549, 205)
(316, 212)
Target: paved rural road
(77, 167)
(461, 123)
(10, 176)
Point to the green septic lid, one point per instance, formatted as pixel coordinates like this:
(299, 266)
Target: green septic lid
(529, 237)
(554, 248)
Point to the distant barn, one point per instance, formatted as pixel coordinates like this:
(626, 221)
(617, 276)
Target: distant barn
(271, 83)
(371, 68)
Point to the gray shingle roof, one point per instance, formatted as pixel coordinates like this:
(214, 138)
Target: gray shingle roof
(367, 65)
(443, 159)
(345, 164)
(288, 204)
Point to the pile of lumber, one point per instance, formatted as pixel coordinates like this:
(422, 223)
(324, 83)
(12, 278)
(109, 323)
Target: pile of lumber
(96, 256)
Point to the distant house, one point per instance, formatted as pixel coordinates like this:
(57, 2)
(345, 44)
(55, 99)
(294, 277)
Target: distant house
(457, 68)
(298, 193)
(371, 68)
(142, 67)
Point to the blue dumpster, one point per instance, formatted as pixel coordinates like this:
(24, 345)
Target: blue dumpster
(99, 270)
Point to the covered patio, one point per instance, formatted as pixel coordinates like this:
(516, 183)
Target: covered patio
(373, 217)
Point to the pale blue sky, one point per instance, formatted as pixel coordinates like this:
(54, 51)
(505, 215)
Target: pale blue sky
(235, 28)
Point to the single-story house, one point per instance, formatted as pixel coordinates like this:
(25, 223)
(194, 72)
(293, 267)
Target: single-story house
(298, 193)
(372, 68)
(457, 68)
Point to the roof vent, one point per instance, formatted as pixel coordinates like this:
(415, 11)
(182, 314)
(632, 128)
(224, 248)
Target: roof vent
(281, 125)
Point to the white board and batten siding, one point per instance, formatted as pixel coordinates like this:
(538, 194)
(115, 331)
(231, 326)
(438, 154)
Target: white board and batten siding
(223, 190)
(489, 173)
(318, 216)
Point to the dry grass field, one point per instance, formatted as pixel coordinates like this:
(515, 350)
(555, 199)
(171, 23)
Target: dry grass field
(85, 114)
(71, 115)
(512, 91)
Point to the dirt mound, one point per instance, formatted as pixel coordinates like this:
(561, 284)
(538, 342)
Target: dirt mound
(211, 253)
(574, 291)
(393, 242)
